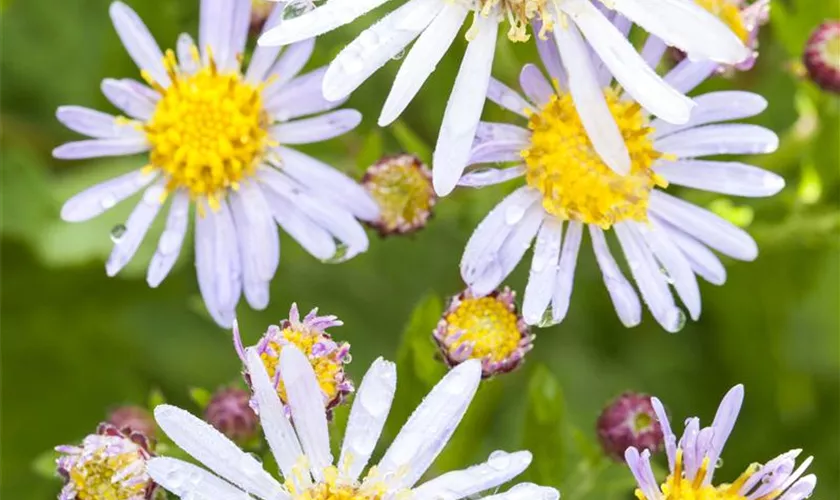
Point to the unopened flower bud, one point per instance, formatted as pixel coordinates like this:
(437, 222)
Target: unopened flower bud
(133, 418)
(402, 187)
(627, 421)
(229, 411)
(822, 56)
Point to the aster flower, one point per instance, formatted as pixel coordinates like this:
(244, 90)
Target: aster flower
(561, 24)
(629, 420)
(216, 135)
(822, 56)
(402, 187)
(108, 464)
(301, 446)
(487, 328)
(326, 356)
(568, 187)
(692, 462)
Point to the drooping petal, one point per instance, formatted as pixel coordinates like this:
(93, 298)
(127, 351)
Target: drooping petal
(703, 261)
(169, 244)
(566, 272)
(544, 267)
(680, 274)
(137, 225)
(259, 245)
(313, 238)
(624, 297)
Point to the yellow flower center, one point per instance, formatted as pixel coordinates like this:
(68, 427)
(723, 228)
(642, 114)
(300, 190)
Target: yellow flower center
(519, 14)
(488, 325)
(575, 183)
(327, 368)
(333, 488)
(208, 130)
(402, 187)
(676, 487)
(102, 476)
(729, 12)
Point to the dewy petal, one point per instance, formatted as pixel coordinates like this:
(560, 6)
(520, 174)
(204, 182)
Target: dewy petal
(624, 297)
(216, 452)
(802, 489)
(715, 107)
(189, 481)
(668, 435)
(589, 98)
(724, 422)
(94, 123)
(367, 418)
(99, 148)
(703, 261)
(422, 60)
(499, 151)
(300, 97)
(544, 267)
(136, 227)
(287, 67)
(327, 17)
(376, 46)
(101, 197)
(709, 140)
(138, 42)
(506, 97)
(277, 429)
(259, 245)
(206, 270)
(186, 50)
(675, 264)
(687, 26)
(526, 491)
(733, 178)
(169, 245)
(314, 239)
(490, 176)
(707, 227)
(463, 110)
(318, 128)
(214, 29)
(566, 272)
(628, 67)
(240, 24)
(306, 401)
(637, 466)
(127, 96)
(430, 426)
(499, 468)
(496, 131)
(534, 84)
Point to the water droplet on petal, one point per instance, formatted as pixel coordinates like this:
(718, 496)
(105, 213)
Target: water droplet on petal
(170, 241)
(514, 214)
(117, 232)
(675, 320)
(340, 254)
(547, 318)
(499, 460)
(108, 201)
(718, 463)
(399, 55)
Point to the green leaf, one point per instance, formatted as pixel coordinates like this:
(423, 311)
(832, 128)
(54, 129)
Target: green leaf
(545, 428)
(410, 142)
(156, 399)
(372, 150)
(44, 465)
(201, 397)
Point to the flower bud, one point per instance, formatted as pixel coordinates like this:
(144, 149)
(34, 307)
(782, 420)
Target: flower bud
(629, 421)
(133, 418)
(822, 56)
(402, 187)
(229, 411)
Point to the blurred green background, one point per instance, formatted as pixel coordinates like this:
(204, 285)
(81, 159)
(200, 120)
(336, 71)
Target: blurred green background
(76, 343)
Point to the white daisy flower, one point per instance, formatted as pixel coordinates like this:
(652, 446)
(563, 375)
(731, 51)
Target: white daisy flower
(217, 136)
(665, 240)
(301, 444)
(692, 462)
(561, 23)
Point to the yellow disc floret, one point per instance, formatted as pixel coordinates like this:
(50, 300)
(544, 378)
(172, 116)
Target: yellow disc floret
(729, 12)
(333, 488)
(115, 470)
(677, 487)
(519, 14)
(402, 188)
(487, 325)
(208, 130)
(576, 184)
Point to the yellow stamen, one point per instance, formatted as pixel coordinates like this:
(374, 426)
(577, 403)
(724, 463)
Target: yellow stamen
(519, 14)
(486, 324)
(575, 183)
(333, 487)
(729, 12)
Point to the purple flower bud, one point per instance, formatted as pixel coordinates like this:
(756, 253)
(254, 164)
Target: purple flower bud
(133, 418)
(822, 56)
(229, 411)
(629, 421)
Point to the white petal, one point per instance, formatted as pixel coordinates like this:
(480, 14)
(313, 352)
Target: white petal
(276, 427)
(709, 140)
(430, 426)
(99, 148)
(169, 245)
(259, 245)
(507, 98)
(499, 468)
(307, 405)
(96, 124)
(463, 110)
(624, 297)
(422, 60)
(129, 97)
(535, 85)
(216, 452)
(566, 271)
(217, 263)
(675, 264)
(653, 50)
(188, 55)
(496, 131)
(527, 491)
(687, 26)
(628, 67)
(264, 56)
(314, 239)
(589, 99)
(318, 128)
(544, 267)
(136, 227)
(490, 176)
(189, 481)
(325, 18)
(240, 24)
(376, 46)
(802, 489)
(550, 56)
(732, 178)
(214, 29)
(329, 182)
(101, 197)
(707, 227)
(724, 422)
(287, 67)
(640, 468)
(138, 42)
(367, 417)
(300, 97)
(715, 107)
(689, 74)
(703, 261)
(497, 152)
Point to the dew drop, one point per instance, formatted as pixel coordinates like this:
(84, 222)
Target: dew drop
(170, 241)
(547, 318)
(499, 460)
(718, 463)
(676, 320)
(117, 232)
(108, 201)
(399, 55)
(514, 214)
(340, 254)
(296, 8)
(668, 277)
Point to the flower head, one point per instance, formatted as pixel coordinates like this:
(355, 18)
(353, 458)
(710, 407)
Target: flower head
(822, 56)
(133, 419)
(216, 136)
(301, 444)
(558, 26)
(692, 463)
(402, 187)
(229, 411)
(110, 464)
(568, 186)
(744, 18)
(629, 420)
(326, 356)
(487, 328)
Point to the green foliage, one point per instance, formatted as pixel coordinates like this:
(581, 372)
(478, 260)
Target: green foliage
(545, 432)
